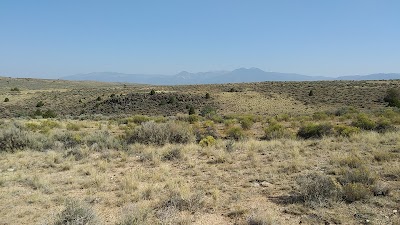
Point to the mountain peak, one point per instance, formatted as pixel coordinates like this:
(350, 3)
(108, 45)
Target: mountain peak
(252, 74)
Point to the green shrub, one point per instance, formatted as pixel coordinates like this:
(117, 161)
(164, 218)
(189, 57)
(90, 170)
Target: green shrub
(138, 119)
(161, 133)
(49, 114)
(205, 129)
(246, 123)
(192, 110)
(73, 127)
(172, 154)
(15, 89)
(355, 191)
(384, 125)
(382, 155)
(208, 111)
(314, 131)
(320, 116)
(46, 114)
(135, 215)
(357, 175)
(318, 189)
(229, 122)
(180, 202)
(346, 131)
(352, 161)
(6, 100)
(40, 104)
(152, 92)
(275, 131)
(393, 97)
(363, 122)
(68, 139)
(172, 100)
(76, 213)
(260, 219)
(392, 114)
(13, 138)
(282, 117)
(193, 118)
(345, 110)
(103, 140)
(208, 95)
(207, 141)
(235, 133)
(311, 93)
(50, 124)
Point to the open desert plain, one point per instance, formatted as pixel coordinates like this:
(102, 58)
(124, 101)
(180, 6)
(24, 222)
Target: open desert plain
(323, 152)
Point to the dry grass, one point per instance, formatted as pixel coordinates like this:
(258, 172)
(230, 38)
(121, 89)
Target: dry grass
(200, 184)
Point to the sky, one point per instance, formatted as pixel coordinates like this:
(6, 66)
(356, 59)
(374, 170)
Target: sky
(313, 37)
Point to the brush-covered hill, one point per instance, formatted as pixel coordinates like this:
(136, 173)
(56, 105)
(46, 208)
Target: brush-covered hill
(72, 98)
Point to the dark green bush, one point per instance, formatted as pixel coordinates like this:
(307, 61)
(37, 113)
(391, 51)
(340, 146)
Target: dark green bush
(384, 125)
(193, 118)
(138, 119)
(346, 131)
(152, 92)
(49, 114)
(393, 97)
(345, 110)
(315, 131)
(208, 95)
(40, 104)
(363, 122)
(235, 133)
(15, 89)
(172, 100)
(6, 100)
(320, 116)
(246, 123)
(46, 114)
(192, 110)
(208, 111)
(275, 131)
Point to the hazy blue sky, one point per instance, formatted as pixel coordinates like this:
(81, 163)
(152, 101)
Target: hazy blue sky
(313, 37)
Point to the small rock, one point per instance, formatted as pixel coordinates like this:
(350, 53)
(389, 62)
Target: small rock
(10, 169)
(395, 211)
(266, 184)
(255, 184)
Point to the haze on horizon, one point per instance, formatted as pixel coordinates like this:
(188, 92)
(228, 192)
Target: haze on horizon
(328, 38)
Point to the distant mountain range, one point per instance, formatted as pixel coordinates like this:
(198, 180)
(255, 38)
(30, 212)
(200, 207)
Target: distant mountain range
(218, 77)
